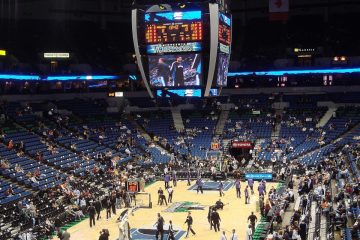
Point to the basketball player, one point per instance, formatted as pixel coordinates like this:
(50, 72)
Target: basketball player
(238, 188)
(160, 227)
(199, 184)
(177, 71)
(251, 185)
(246, 193)
(188, 177)
(221, 189)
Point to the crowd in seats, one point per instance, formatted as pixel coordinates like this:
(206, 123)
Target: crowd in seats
(63, 148)
(199, 131)
(32, 155)
(248, 124)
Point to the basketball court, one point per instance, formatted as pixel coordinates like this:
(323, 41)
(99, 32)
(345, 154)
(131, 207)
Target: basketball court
(142, 223)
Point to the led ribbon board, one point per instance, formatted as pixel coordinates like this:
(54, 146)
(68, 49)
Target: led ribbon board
(173, 48)
(259, 176)
(296, 72)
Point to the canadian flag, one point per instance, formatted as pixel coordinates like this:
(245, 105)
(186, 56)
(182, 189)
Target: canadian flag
(278, 10)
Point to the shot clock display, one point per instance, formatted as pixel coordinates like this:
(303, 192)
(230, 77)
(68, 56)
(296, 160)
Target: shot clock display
(133, 186)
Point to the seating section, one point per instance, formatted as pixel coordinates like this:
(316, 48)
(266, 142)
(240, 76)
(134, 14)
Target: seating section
(18, 193)
(40, 154)
(199, 129)
(249, 124)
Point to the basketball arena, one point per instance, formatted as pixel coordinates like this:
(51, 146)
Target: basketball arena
(172, 120)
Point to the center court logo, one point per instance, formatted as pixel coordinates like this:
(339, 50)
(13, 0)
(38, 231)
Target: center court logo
(184, 207)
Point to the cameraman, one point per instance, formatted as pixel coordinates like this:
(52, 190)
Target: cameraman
(104, 235)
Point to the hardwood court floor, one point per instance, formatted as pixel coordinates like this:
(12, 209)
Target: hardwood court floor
(234, 215)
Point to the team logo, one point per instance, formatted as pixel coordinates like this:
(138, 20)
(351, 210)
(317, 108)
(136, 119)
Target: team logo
(184, 207)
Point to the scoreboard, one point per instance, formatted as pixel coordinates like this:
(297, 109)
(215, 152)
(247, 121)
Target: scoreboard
(174, 32)
(181, 43)
(224, 34)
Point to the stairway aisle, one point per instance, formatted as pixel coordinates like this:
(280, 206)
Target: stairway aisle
(224, 114)
(312, 223)
(177, 119)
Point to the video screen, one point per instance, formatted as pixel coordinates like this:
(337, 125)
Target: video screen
(224, 34)
(222, 69)
(175, 70)
(173, 32)
(224, 29)
(214, 92)
(179, 93)
(172, 16)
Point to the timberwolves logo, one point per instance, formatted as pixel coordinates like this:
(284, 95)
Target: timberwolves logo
(184, 207)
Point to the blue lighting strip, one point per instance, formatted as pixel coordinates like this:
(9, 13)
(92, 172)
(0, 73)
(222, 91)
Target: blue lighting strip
(19, 77)
(296, 72)
(56, 78)
(80, 78)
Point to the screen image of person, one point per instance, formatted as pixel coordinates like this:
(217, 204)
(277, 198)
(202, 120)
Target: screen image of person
(185, 72)
(175, 70)
(163, 72)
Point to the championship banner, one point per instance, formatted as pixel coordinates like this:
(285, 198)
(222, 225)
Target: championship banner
(278, 10)
(237, 144)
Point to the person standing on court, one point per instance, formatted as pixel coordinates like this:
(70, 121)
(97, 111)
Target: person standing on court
(171, 231)
(113, 203)
(264, 185)
(160, 193)
(108, 208)
(92, 212)
(221, 189)
(199, 184)
(160, 227)
(251, 185)
(189, 221)
(261, 189)
(215, 219)
(188, 177)
(223, 236)
(174, 178)
(249, 233)
(246, 193)
(163, 199)
(234, 236)
(209, 216)
(238, 188)
(166, 180)
(170, 191)
(98, 207)
(65, 235)
(253, 219)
